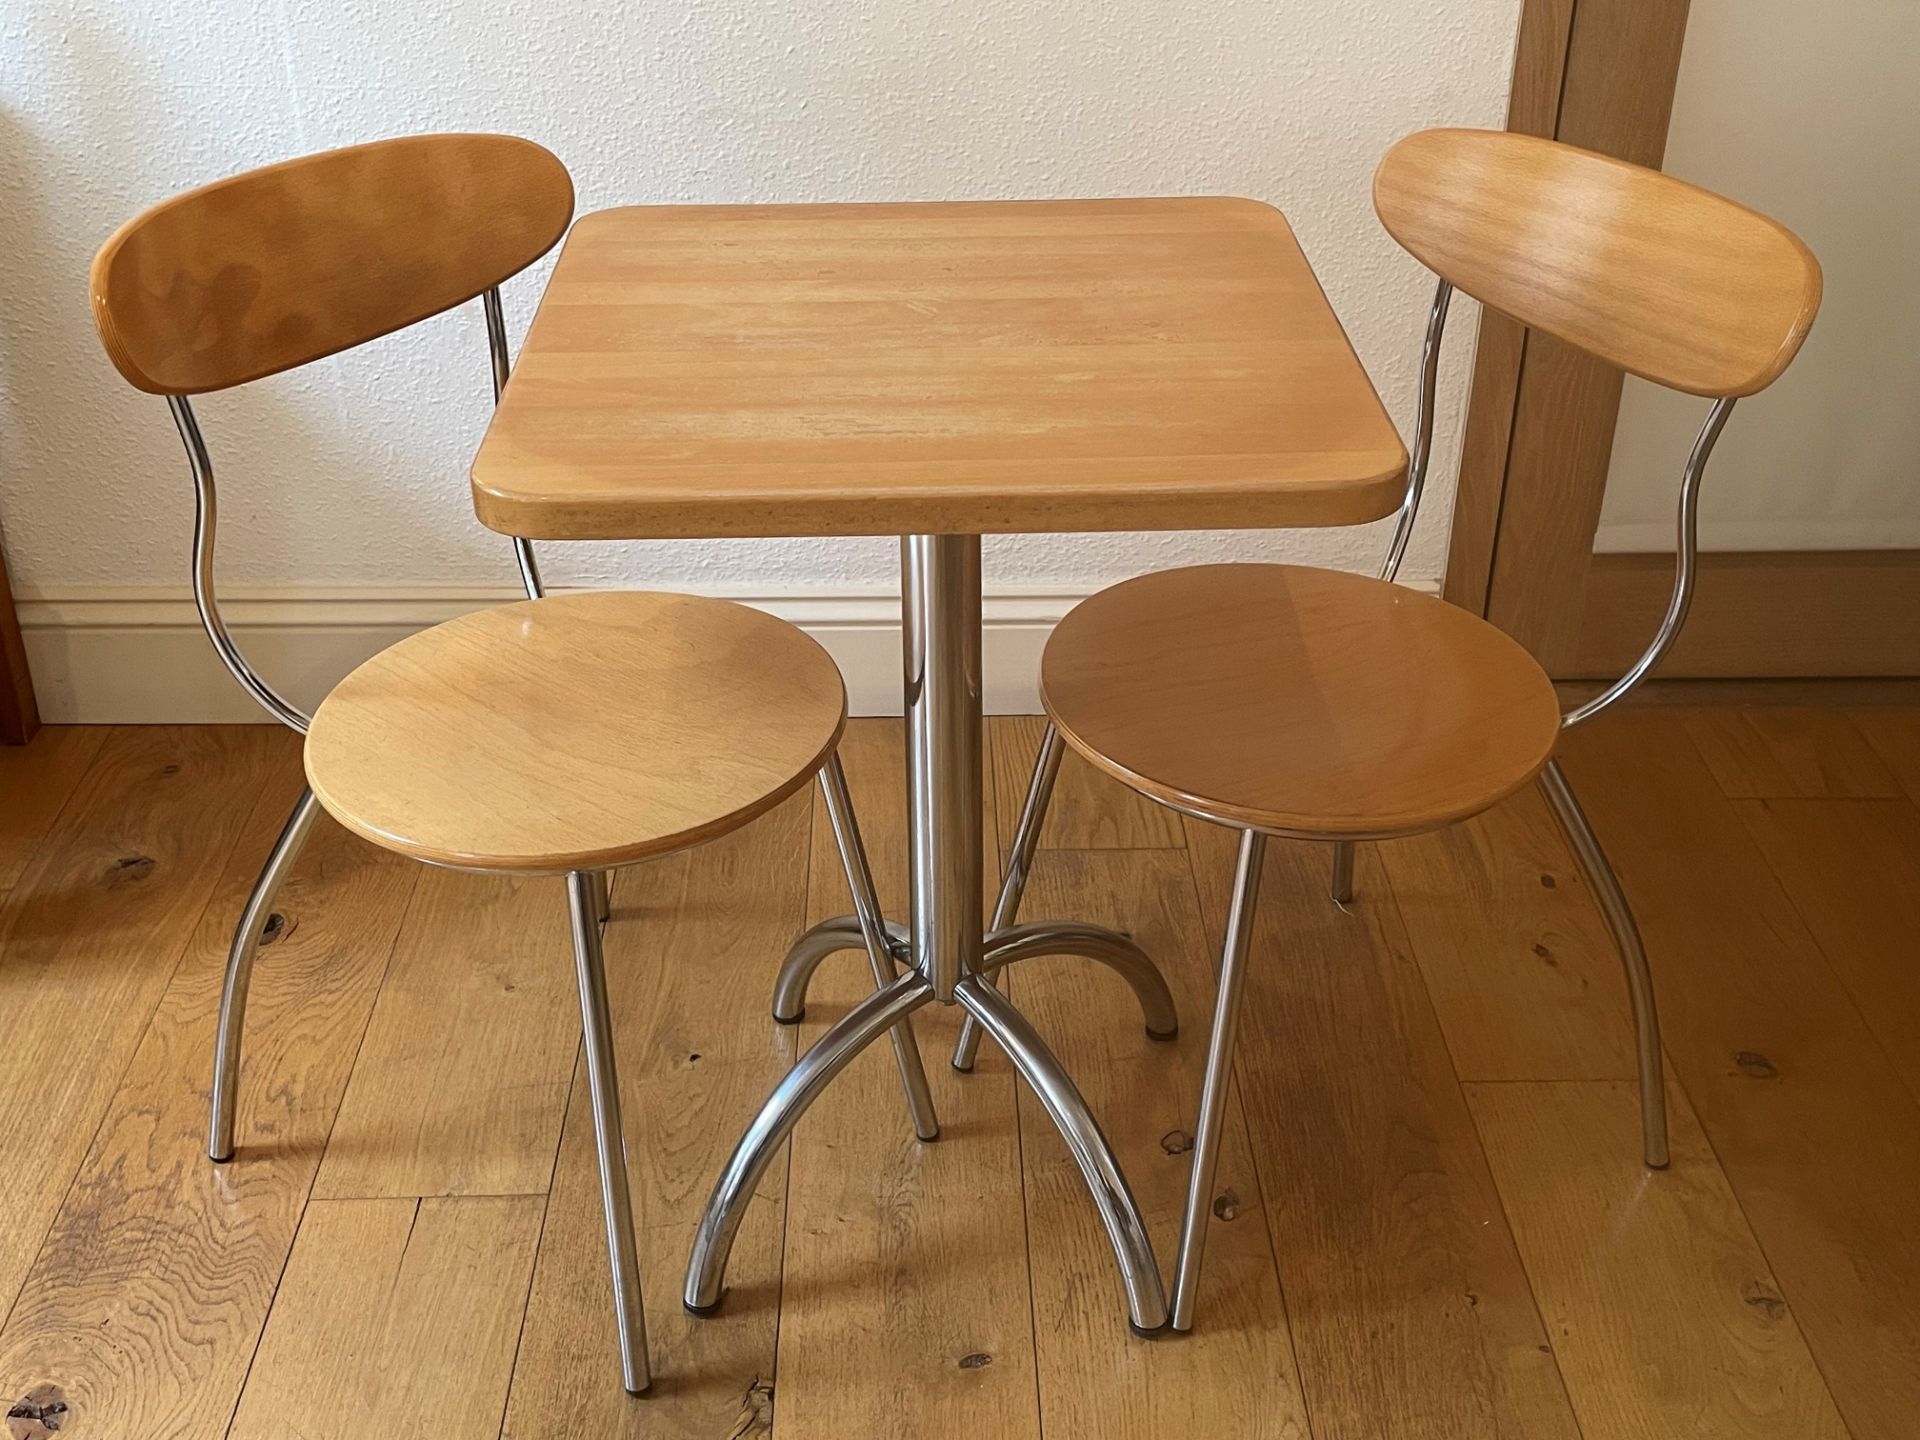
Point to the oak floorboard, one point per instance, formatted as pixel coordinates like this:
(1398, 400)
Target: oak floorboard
(395, 1317)
(1663, 1313)
(1089, 810)
(1852, 870)
(461, 1082)
(1777, 752)
(1814, 1128)
(91, 936)
(148, 1297)
(905, 1306)
(36, 781)
(1894, 734)
(1411, 1313)
(1523, 975)
(1233, 1374)
(690, 961)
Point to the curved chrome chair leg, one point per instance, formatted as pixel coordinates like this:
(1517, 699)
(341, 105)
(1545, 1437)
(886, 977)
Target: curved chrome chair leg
(726, 1207)
(1633, 956)
(1146, 1296)
(233, 994)
(873, 937)
(1342, 887)
(1013, 884)
(1095, 942)
(603, 1085)
(1213, 1090)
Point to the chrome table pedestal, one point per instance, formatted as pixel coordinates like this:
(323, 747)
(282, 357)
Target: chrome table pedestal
(950, 958)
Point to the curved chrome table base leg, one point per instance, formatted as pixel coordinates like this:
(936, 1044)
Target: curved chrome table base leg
(233, 994)
(829, 937)
(1146, 1296)
(726, 1207)
(1341, 888)
(609, 1140)
(1095, 942)
(1633, 956)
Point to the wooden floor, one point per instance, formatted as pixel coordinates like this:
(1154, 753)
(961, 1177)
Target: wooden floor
(1430, 1220)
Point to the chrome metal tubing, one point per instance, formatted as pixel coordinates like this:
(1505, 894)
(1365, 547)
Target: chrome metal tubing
(726, 1207)
(205, 529)
(941, 654)
(829, 937)
(596, 1028)
(1095, 942)
(1013, 884)
(502, 368)
(1146, 1295)
(1685, 571)
(1341, 887)
(233, 992)
(1213, 1089)
(1422, 432)
(1633, 956)
(873, 936)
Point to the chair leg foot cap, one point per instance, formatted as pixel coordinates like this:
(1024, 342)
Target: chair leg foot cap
(702, 1312)
(1163, 1036)
(1153, 1334)
(793, 1019)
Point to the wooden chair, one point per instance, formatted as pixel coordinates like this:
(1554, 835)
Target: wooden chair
(1328, 706)
(567, 735)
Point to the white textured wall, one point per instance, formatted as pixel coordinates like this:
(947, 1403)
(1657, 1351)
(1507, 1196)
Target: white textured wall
(1808, 113)
(109, 105)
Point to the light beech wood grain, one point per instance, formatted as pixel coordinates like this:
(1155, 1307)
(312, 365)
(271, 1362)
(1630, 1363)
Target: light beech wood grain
(1298, 700)
(1648, 273)
(273, 268)
(953, 367)
(578, 732)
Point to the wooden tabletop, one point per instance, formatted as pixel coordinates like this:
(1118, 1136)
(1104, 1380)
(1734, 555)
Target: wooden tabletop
(961, 368)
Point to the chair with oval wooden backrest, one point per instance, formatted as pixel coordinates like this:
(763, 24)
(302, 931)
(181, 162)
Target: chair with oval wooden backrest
(556, 735)
(1319, 705)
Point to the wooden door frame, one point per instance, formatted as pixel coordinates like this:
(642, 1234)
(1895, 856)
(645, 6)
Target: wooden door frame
(19, 716)
(1539, 436)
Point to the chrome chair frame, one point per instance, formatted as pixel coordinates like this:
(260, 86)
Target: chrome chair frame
(588, 892)
(1553, 785)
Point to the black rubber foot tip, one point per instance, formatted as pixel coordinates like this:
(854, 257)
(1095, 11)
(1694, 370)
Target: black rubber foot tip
(220, 1159)
(703, 1312)
(1163, 1036)
(644, 1391)
(1661, 1166)
(1146, 1334)
(963, 1069)
(928, 1139)
(780, 1019)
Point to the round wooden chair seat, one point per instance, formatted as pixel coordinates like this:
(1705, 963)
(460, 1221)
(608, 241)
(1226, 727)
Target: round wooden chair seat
(1298, 701)
(578, 732)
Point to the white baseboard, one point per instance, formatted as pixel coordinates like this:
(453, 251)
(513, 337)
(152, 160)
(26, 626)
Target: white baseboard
(131, 656)
(136, 656)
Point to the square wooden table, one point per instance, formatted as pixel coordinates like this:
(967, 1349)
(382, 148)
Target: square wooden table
(936, 372)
